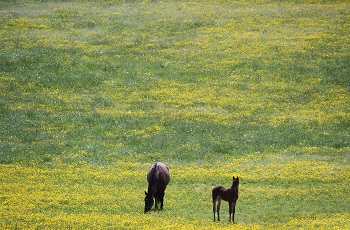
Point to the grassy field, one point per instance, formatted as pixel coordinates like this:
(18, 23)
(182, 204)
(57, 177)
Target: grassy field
(93, 92)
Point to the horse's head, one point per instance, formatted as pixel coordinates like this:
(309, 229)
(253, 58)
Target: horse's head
(148, 201)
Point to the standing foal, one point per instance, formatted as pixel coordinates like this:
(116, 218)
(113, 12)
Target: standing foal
(227, 194)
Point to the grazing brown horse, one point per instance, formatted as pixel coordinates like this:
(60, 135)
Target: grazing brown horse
(158, 177)
(227, 194)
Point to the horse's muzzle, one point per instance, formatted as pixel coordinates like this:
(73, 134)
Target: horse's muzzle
(147, 209)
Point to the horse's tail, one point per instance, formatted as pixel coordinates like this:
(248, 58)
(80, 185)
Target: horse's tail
(155, 168)
(154, 172)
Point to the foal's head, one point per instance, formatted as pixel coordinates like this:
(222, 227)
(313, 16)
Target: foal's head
(148, 201)
(235, 183)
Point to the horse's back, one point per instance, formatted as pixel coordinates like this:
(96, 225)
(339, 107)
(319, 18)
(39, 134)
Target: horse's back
(163, 172)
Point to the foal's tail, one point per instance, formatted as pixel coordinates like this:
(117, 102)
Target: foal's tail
(215, 194)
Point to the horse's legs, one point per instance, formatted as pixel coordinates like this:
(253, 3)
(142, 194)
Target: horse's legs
(161, 199)
(230, 211)
(218, 208)
(156, 199)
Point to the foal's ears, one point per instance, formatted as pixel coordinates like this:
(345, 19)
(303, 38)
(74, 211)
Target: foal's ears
(235, 179)
(146, 193)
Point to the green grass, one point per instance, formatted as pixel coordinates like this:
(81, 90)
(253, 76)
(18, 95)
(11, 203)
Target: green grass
(93, 92)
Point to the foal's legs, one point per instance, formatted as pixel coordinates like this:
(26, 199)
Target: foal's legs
(218, 208)
(214, 206)
(232, 208)
(233, 211)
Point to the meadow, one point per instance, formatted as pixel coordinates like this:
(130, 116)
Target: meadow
(93, 92)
